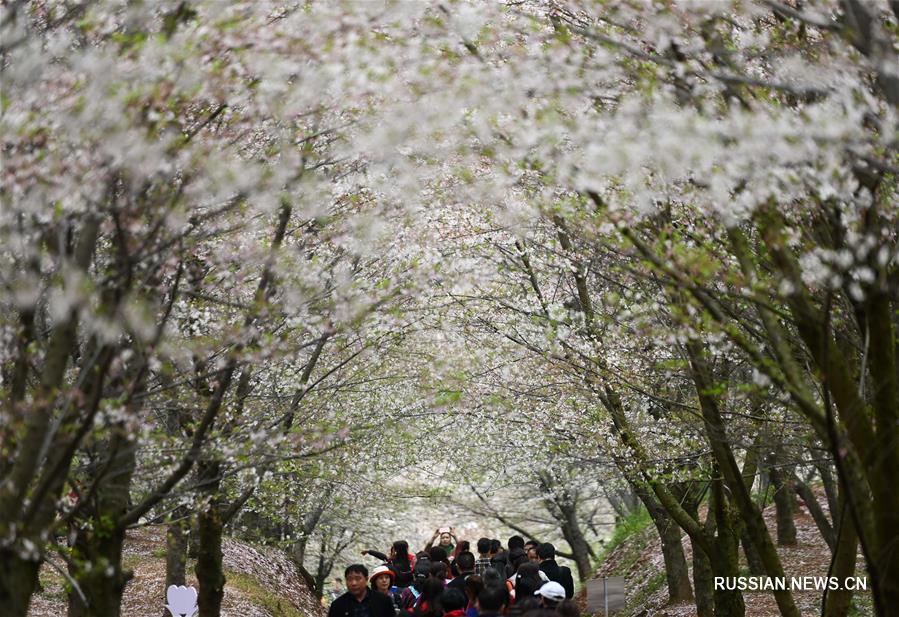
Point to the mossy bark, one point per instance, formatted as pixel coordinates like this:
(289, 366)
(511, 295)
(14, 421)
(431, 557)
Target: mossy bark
(784, 504)
(176, 552)
(209, 571)
(725, 559)
(753, 560)
(104, 583)
(703, 577)
(836, 603)
(97, 550)
(732, 476)
(677, 574)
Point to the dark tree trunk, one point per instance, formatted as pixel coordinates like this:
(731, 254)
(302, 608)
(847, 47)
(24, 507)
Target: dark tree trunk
(574, 535)
(836, 603)
(784, 504)
(323, 567)
(753, 560)
(814, 508)
(676, 571)
(18, 580)
(100, 540)
(750, 471)
(176, 537)
(104, 584)
(725, 560)
(677, 575)
(176, 551)
(193, 538)
(209, 570)
(177, 533)
(210, 575)
(703, 577)
(830, 491)
(703, 582)
(733, 476)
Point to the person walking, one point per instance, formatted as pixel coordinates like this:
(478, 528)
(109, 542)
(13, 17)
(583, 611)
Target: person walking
(382, 579)
(428, 603)
(483, 561)
(409, 596)
(474, 585)
(453, 602)
(359, 600)
(551, 594)
(546, 552)
(492, 602)
(499, 558)
(465, 564)
(525, 582)
(400, 561)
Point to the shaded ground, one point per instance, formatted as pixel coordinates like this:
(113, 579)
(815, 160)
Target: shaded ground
(261, 582)
(639, 560)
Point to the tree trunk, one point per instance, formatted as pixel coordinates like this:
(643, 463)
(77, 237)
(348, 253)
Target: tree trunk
(830, 490)
(99, 542)
(703, 582)
(176, 551)
(18, 580)
(193, 538)
(836, 603)
(703, 577)
(574, 535)
(784, 504)
(733, 476)
(210, 574)
(177, 533)
(176, 537)
(725, 560)
(104, 584)
(676, 571)
(624, 501)
(753, 560)
(814, 508)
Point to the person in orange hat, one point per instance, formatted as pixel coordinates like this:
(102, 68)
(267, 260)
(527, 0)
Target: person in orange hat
(382, 579)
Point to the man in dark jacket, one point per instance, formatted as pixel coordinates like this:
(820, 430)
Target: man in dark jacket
(360, 600)
(465, 563)
(498, 557)
(546, 552)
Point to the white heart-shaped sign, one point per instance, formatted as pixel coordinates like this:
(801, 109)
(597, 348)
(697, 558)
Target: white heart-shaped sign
(182, 601)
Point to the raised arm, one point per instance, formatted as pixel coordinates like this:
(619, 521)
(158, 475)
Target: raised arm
(375, 554)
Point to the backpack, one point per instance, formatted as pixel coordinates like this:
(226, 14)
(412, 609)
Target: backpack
(409, 599)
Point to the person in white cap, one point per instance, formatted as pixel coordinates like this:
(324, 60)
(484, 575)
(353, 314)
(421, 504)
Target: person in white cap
(551, 594)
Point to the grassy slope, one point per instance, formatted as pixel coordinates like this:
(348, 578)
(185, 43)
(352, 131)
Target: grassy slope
(261, 582)
(634, 552)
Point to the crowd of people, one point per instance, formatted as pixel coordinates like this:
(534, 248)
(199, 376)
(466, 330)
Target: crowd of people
(448, 579)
